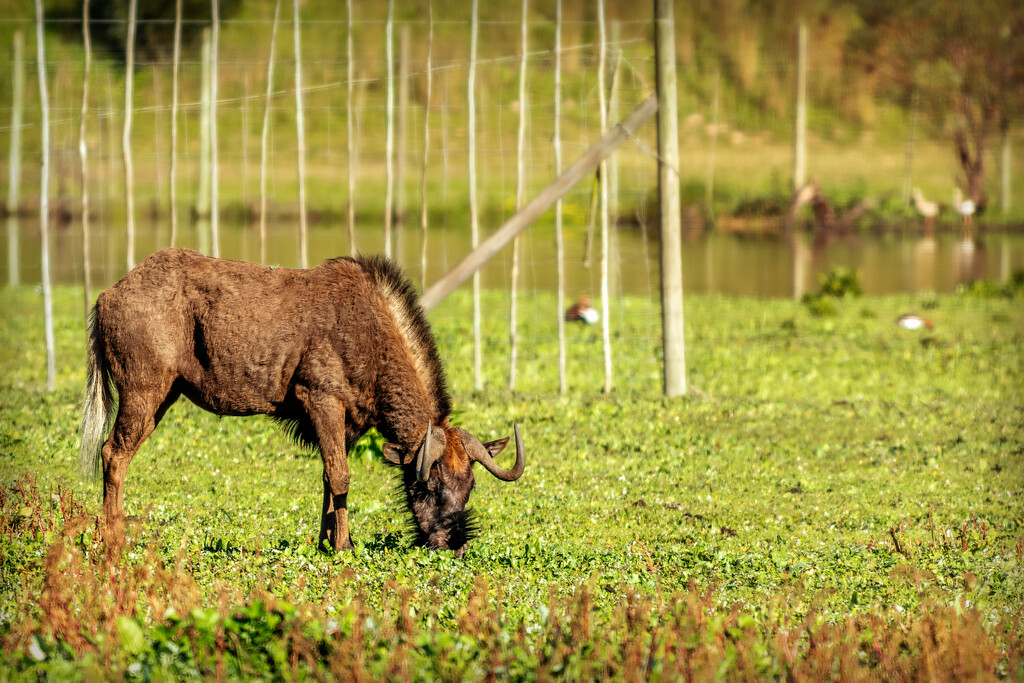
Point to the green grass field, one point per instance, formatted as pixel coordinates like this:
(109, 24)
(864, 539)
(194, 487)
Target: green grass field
(843, 502)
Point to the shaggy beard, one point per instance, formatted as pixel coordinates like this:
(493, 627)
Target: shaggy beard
(457, 527)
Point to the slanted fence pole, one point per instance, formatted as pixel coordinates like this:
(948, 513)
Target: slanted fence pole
(559, 243)
(349, 124)
(17, 111)
(426, 146)
(176, 67)
(126, 138)
(44, 201)
(389, 125)
(214, 172)
(474, 226)
(265, 133)
(800, 124)
(584, 165)
(82, 156)
(520, 190)
(300, 133)
(668, 202)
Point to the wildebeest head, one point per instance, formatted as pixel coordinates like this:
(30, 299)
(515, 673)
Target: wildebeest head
(438, 479)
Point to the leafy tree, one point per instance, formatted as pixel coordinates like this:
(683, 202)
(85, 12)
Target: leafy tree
(962, 61)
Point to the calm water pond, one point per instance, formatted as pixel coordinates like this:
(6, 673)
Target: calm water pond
(716, 262)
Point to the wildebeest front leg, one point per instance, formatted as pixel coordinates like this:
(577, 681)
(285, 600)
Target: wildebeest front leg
(328, 416)
(137, 416)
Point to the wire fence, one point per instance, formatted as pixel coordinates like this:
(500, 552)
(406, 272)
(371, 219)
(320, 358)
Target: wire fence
(732, 151)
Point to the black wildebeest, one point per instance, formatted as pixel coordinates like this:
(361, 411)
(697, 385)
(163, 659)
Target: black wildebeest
(330, 351)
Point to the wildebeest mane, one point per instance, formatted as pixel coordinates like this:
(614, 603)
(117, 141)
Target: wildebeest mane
(402, 295)
(403, 299)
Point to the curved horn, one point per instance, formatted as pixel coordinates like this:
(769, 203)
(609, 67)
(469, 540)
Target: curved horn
(424, 458)
(484, 458)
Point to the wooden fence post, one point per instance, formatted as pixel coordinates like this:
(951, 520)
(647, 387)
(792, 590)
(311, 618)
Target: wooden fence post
(44, 201)
(202, 208)
(1004, 170)
(668, 202)
(17, 111)
(474, 219)
(176, 67)
(389, 125)
(559, 242)
(126, 138)
(265, 133)
(606, 340)
(426, 146)
(214, 152)
(349, 125)
(83, 154)
(800, 123)
(300, 132)
(709, 186)
(402, 143)
(520, 190)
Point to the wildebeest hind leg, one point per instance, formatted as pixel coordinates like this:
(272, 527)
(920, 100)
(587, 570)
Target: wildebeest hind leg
(327, 414)
(137, 416)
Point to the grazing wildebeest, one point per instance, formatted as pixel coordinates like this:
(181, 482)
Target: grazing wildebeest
(330, 351)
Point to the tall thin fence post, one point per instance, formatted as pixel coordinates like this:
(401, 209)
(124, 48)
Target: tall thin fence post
(83, 154)
(709, 186)
(908, 150)
(44, 201)
(800, 122)
(559, 242)
(605, 304)
(426, 145)
(300, 131)
(1004, 170)
(14, 158)
(668, 202)
(402, 122)
(520, 191)
(474, 219)
(214, 152)
(389, 133)
(17, 112)
(613, 115)
(349, 125)
(176, 68)
(126, 138)
(110, 134)
(265, 133)
(202, 207)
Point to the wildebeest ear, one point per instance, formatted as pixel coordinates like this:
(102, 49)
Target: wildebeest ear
(396, 454)
(496, 446)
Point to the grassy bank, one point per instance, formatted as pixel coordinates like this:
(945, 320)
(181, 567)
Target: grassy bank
(845, 501)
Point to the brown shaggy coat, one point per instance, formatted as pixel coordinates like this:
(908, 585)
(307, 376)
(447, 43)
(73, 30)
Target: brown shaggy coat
(331, 351)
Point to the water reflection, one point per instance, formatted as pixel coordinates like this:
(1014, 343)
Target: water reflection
(757, 266)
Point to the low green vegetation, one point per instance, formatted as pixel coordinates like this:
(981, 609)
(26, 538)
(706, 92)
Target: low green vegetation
(838, 497)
